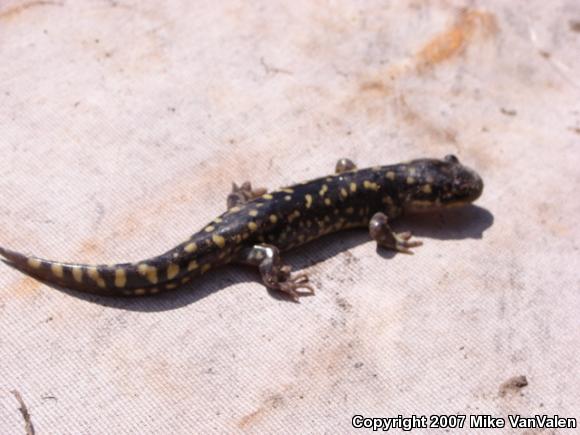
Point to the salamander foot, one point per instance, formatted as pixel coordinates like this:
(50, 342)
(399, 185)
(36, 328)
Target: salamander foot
(381, 232)
(242, 194)
(275, 275)
(344, 165)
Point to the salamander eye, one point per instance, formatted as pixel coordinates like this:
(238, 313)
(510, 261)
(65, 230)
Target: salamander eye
(450, 158)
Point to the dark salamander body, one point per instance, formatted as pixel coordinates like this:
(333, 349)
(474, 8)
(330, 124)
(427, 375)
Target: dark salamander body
(258, 225)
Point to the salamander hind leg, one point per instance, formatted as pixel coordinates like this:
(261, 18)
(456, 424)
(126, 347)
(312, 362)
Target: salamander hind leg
(381, 232)
(275, 275)
(344, 165)
(242, 194)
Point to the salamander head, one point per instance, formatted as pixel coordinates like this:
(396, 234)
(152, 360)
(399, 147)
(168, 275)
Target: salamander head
(440, 184)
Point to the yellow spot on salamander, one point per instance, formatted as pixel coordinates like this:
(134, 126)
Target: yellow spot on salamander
(410, 180)
(140, 291)
(343, 193)
(426, 188)
(218, 220)
(253, 213)
(353, 187)
(252, 226)
(370, 185)
(218, 240)
(273, 218)
(192, 265)
(190, 247)
(154, 290)
(120, 278)
(209, 228)
(308, 201)
(101, 282)
(412, 172)
(323, 190)
(150, 272)
(350, 210)
(77, 273)
(170, 286)
(57, 270)
(172, 271)
(267, 196)
(93, 273)
(34, 263)
(390, 175)
(287, 198)
(234, 209)
(288, 190)
(295, 214)
(205, 268)
(327, 201)
(185, 280)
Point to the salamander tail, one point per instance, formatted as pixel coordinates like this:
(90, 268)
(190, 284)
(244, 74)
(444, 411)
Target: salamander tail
(128, 279)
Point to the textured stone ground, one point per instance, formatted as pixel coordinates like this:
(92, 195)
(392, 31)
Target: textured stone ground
(124, 124)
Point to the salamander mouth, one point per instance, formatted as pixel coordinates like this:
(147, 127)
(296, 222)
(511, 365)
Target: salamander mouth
(466, 188)
(423, 206)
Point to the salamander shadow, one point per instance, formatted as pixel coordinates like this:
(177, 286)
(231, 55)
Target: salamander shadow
(454, 224)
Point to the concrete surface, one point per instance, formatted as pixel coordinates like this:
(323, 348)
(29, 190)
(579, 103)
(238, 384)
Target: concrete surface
(124, 124)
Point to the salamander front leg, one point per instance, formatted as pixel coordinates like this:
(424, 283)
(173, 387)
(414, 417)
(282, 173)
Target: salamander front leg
(381, 232)
(275, 275)
(344, 165)
(242, 194)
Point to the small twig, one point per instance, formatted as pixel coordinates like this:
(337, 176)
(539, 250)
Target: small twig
(272, 69)
(513, 385)
(25, 414)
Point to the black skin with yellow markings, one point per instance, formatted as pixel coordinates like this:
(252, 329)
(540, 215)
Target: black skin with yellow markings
(259, 225)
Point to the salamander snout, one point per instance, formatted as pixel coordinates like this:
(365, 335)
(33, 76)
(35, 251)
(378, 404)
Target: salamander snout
(466, 187)
(442, 183)
(459, 184)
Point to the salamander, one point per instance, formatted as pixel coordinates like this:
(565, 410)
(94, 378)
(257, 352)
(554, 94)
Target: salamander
(259, 225)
